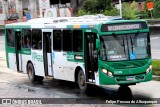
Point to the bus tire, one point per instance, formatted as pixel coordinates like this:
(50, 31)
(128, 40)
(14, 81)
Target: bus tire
(31, 73)
(82, 81)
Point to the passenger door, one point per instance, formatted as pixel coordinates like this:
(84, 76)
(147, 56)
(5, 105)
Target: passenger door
(18, 42)
(58, 57)
(91, 59)
(47, 56)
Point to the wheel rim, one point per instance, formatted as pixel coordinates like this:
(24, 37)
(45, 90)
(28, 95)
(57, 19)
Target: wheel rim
(82, 80)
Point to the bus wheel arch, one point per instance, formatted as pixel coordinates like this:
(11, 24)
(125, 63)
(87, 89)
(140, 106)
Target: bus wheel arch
(32, 77)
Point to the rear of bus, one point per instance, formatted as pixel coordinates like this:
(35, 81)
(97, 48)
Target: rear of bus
(124, 53)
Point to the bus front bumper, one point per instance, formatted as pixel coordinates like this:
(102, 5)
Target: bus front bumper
(132, 79)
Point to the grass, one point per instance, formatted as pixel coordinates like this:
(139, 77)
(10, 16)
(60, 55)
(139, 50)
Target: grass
(156, 67)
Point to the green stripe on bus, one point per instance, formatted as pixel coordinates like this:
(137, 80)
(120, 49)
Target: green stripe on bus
(17, 26)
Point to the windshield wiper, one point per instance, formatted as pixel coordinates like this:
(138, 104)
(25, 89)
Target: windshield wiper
(135, 37)
(115, 36)
(133, 40)
(122, 44)
(132, 44)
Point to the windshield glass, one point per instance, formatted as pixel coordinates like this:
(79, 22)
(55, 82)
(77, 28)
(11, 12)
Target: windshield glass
(124, 47)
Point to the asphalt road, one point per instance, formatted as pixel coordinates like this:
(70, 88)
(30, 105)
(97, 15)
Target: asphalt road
(155, 46)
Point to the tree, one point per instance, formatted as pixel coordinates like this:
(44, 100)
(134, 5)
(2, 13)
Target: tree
(156, 9)
(129, 11)
(98, 6)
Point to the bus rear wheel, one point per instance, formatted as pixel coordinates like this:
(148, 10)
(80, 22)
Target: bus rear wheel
(31, 73)
(82, 81)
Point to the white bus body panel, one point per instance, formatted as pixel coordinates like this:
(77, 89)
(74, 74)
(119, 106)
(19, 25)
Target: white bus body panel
(37, 59)
(25, 59)
(59, 61)
(12, 61)
(70, 70)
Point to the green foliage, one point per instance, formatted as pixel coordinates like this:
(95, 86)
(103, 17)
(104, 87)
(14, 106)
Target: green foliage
(90, 5)
(143, 14)
(156, 10)
(156, 67)
(113, 12)
(98, 7)
(129, 11)
(81, 13)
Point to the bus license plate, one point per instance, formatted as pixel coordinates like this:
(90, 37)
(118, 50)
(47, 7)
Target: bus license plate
(130, 78)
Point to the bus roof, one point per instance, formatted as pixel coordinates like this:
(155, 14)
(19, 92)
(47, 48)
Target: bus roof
(63, 22)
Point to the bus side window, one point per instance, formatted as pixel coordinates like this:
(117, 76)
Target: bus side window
(10, 37)
(36, 39)
(67, 40)
(77, 40)
(57, 40)
(26, 38)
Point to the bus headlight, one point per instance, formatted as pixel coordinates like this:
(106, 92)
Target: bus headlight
(104, 71)
(107, 72)
(148, 69)
(110, 74)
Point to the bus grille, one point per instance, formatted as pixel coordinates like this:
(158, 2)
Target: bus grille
(126, 65)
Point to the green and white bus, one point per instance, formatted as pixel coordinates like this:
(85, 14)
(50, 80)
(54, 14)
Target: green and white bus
(96, 50)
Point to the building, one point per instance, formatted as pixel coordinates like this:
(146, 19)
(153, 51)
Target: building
(15, 10)
(140, 4)
(22, 10)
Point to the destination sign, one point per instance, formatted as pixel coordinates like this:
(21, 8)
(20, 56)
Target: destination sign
(123, 26)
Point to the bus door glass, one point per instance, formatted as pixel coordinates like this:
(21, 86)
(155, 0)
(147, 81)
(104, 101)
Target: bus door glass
(47, 53)
(25, 48)
(18, 50)
(91, 61)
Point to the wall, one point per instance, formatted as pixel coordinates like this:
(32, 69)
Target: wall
(19, 8)
(33, 9)
(3, 16)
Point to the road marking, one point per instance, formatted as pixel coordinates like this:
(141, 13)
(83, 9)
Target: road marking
(154, 38)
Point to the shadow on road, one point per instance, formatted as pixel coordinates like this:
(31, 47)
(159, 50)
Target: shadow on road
(122, 93)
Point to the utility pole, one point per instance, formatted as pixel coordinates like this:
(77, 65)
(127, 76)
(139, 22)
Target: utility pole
(120, 5)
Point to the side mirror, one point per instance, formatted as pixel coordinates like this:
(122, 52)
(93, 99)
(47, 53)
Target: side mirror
(97, 44)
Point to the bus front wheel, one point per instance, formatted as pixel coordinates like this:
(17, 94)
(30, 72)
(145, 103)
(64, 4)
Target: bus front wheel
(82, 81)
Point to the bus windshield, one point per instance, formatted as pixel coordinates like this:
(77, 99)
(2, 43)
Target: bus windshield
(124, 47)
